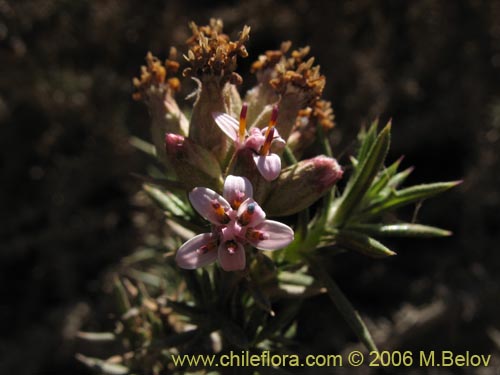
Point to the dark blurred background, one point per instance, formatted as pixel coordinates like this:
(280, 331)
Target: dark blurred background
(67, 206)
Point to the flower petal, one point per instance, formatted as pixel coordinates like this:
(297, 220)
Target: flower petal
(255, 140)
(205, 202)
(270, 235)
(197, 252)
(269, 166)
(250, 213)
(277, 140)
(232, 256)
(227, 124)
(236, 190)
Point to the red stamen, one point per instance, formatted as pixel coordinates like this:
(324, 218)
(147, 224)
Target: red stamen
(270, 132)
(255, 235)
(231, 247)
(206, 248)
(220, 212)
(264, 150)
(246, 216)
(243, 122)
(274, 116)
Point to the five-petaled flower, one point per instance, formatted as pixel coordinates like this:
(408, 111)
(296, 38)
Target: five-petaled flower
(237, 220)
(259, 140)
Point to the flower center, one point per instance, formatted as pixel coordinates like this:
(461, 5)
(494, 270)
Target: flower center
(231, 247)
(219, 211)
(256, 235)
(238, 200)
(246, 216)
(206, 248)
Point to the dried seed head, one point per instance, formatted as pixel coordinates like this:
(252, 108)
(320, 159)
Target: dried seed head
(156, 86)
(212, 53)
(290, 73)
(308, 119)
(291, 77)
(156, 77)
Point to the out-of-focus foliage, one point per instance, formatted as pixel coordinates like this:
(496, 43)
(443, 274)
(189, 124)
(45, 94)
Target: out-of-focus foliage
(68, 210)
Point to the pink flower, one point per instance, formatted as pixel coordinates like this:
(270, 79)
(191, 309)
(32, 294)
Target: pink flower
(237, 220)
(259, 141)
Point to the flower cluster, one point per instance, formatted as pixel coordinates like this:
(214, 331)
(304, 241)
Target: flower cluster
(215, 151)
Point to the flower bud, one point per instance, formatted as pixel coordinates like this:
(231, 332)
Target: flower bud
(156, 89)
(193, 164)
(300, 185)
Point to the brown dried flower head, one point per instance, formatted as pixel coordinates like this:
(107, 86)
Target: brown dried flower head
(212, 53)
(154, 76)
(290, 73)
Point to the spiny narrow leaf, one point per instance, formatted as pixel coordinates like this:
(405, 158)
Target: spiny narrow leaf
(294, 291)
(295, 278)
(406, 196)
(121, 296)
(142, 145)
(367, 139)
(361, 243)
(167, 201)
(363, 178)
(345, 308)
(96, 336)
(383, 178)
(401, 230)
(399, 178)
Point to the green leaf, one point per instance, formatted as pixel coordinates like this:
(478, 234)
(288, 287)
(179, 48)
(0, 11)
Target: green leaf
(406, 196)
(367, 140)
(345, 308)
(383, 178)
(96, 336)
(142, 145)
(363, 178)
(289, 156)
(166, 200)
(399, 178)
(121, 296)
(401, 230)
(360, 243)
(295, 278)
